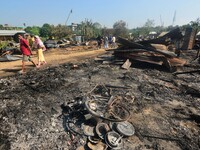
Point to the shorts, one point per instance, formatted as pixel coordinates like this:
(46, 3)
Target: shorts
(26, 58)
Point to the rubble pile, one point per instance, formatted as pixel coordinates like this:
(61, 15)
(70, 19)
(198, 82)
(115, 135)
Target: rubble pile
(88, 106)
(9, 51)
(101, 118)
(154, 51)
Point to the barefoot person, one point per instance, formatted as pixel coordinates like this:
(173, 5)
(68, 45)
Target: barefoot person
(26, 52)
(38, 44)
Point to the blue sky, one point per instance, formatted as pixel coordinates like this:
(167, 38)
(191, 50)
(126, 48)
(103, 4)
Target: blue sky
(106, 12)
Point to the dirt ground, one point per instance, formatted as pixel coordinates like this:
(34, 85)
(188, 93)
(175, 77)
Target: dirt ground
(52, 56)
(34, 110)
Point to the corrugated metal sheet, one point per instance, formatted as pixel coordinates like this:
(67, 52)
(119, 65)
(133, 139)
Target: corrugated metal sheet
(10, 32)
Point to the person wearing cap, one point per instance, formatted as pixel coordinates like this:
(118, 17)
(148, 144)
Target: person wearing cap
(26, 52)
(38, 44)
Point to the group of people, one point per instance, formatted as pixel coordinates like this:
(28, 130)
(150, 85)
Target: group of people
(26, 50)
(107, 41)
(27, 44)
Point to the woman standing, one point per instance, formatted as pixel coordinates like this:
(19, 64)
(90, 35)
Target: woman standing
(38, 44)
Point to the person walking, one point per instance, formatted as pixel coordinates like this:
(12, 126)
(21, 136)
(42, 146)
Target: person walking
(105, 42)
(99, 41)
(38, 44)
(113, 42)
(26, 52)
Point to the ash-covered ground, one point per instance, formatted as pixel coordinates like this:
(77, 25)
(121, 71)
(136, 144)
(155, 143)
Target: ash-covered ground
(165, 108)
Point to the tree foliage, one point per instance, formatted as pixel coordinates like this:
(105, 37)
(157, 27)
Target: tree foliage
(120, 28)
(35, 30)
(97, 25)
(89, 30)
(61, 31)
(149, 23)
(196, 24)
(45, 30)
(1, 27)
(146, 29)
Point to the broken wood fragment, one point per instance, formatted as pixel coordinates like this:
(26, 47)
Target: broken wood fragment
(127, 64)
(159, 137)
(186, 72)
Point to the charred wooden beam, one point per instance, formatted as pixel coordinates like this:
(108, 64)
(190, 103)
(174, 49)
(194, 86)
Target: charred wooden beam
(186, 72)
(140, 46)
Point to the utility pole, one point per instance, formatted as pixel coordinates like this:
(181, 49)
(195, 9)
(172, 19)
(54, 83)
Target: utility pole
(68, 17)
(174, 18)
(161, 22)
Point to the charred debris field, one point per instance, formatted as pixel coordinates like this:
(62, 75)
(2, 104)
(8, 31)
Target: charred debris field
(46, 109)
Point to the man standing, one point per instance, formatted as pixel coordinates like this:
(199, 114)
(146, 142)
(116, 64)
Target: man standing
(113, 42)
(26, 52)
(99, 41)
(105, 42)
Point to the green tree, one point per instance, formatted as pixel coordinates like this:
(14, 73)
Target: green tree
(195, 24)
(1, 27)
(97, 25)
(35, 30)
(89, 29)
(135, 32)
(148, 26)
(183, 27)
(149, 23)
(61, 31)
(159, 29)
(120, 28)
(97, 29)
(45, 30)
